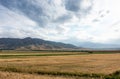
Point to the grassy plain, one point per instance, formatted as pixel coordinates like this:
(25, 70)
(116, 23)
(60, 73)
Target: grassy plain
(59, 65)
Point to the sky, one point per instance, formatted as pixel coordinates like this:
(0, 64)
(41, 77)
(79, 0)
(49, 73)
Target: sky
(69, 21)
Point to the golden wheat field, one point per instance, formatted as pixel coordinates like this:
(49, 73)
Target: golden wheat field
(11, 75)
(45, 66)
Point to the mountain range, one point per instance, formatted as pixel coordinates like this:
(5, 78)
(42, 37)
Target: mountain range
(32, 44)
(92, 45)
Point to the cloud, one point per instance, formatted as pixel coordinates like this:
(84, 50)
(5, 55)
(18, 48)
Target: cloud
(28, 8)
(79, 7)
(59, 20)
(96, 20)
(63, 18)
(73, 5)
(49, 14)
(38, 10)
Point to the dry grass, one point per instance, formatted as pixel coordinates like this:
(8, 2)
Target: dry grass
(11, 75)
(92, 63)
(87, 63)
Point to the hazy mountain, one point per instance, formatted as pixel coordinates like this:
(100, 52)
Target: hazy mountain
(92, 45)
(99, 45)
(32, 44)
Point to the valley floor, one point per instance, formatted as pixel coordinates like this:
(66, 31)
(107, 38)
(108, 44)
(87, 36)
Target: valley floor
(72, 65)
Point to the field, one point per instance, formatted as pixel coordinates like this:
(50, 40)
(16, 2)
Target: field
(59, 65)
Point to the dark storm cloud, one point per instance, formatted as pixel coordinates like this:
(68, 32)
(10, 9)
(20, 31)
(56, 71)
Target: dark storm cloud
(76, 6)
(72, 5)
